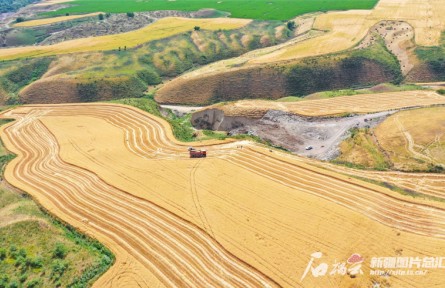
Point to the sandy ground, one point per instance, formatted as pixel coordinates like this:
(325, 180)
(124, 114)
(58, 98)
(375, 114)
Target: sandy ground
(297, 125)
(241, 217)
(399, 39)
(296, 133)
(181, 110)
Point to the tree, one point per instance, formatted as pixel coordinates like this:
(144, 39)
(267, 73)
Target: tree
(19, 19)
(291, 25)
(67, 14)
(101, 16)
(130, 14)
(197, 28)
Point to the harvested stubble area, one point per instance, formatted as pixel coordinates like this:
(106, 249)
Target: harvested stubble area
(362, 103)
(239, 218)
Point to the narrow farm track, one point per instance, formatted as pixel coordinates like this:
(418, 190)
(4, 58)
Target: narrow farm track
(188, 253)
(180, 254)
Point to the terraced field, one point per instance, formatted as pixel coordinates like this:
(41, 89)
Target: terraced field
(47, 21)
(240, 218)
(163, 28)
(361, 103)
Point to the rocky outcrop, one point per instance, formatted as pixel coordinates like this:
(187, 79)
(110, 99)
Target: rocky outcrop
(214, 119)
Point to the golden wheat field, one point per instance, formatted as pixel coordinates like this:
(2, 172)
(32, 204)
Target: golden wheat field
(346, 29)
(362, 103)
(240, 218)
(47, 21)
(162, 28)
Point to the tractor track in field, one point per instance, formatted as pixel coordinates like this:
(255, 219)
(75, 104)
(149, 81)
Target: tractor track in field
(177, 252)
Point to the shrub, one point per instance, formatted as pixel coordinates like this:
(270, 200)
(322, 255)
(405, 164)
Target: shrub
(101, 16)
(130, 14)
(22, 253)
(60, 251)
(88, 92)
(33, 283)
(23, 277)
(197, 28)
(14, 284)
(149, 76)
(291, 25)
(441, 91)
(58, 267)
(36, 262)
(435, 168)
(4, 279)
(2, 253)
(20, 262)
(13, 251)
(20, 19)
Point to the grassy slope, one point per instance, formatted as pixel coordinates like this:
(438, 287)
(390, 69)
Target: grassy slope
(126, 73)
(381, 88)
(360, 151)
(18, 75)
(162, 28)
(434, 57)
(28, 255)
(348, 69)
(252, 9)
(386, 147)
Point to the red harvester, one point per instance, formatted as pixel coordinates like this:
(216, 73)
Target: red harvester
(197, 153)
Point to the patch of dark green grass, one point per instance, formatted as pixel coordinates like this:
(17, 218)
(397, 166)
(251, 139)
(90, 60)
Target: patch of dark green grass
(252, 9)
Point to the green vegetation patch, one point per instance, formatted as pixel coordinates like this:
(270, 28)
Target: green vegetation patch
(20, 74)
(350, 69)
(434, 57)
(252, 9)
(360, 151)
